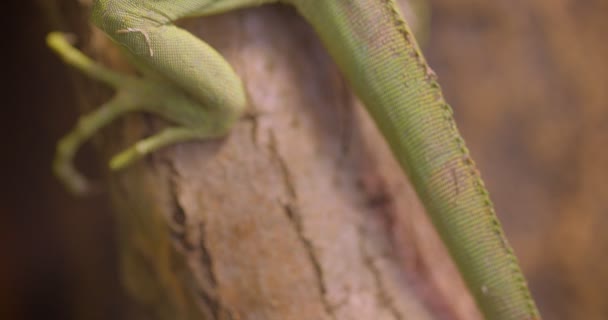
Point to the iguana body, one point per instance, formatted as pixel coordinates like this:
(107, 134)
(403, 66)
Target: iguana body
(191, 84)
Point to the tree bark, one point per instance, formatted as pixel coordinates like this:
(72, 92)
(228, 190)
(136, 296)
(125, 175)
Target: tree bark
(299, 213)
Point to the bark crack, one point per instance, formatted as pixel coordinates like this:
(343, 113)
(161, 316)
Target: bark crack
(291, 211)
(194, 247)
(209, 296)
(177, 215)
(382, 295)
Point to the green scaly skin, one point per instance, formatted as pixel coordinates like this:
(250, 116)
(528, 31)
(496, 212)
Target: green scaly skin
(377, 53)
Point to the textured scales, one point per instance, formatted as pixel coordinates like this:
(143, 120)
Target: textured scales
(376, 51)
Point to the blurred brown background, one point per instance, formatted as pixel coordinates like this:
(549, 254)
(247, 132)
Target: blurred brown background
(528, 81)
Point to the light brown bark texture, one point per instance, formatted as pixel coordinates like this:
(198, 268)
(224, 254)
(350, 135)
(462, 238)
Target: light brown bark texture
(299, 213)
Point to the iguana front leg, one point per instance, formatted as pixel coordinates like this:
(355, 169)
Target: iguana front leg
(184, 80)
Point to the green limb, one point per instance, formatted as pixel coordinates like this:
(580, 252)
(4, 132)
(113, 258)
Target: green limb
(194, 119)
(70, 55)
(89, 124)
(165, 138)
(68, 145)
